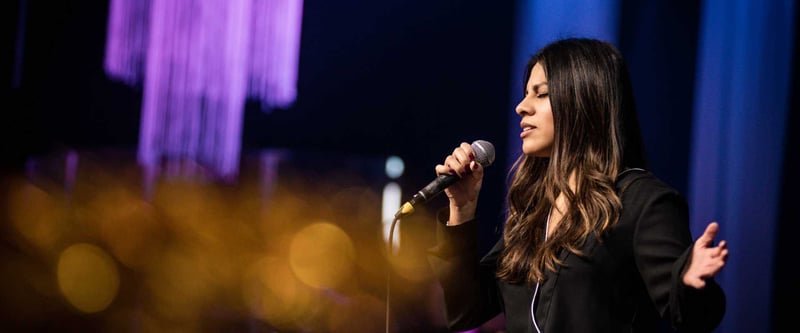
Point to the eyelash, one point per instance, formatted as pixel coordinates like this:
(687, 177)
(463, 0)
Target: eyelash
(542, 95)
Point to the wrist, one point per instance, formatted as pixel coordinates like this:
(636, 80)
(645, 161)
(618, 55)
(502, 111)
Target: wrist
(461, 214)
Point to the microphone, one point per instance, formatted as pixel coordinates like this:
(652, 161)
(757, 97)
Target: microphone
(484, 155)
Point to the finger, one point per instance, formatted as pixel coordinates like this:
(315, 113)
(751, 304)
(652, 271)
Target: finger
(477, 170)
(697, 283)
(448, 165)
(456, 166)
(463, 158)
(442, 169)
(467, 149)
(474, 166)
(461, 154)
(714, 252)
(708, 235)
(712, 272)
(464, 153)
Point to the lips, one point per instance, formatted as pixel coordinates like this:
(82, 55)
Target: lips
(526, 128)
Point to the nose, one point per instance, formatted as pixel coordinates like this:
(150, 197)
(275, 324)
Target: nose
(524, 107)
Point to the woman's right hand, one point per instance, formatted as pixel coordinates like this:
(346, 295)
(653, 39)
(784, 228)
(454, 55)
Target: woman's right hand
(463, 194)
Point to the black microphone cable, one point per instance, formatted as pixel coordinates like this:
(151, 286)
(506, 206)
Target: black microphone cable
(389, 251)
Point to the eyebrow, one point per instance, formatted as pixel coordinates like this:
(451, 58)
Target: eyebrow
(535, 87)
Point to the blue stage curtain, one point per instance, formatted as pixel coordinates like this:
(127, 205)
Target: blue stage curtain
(740, 113)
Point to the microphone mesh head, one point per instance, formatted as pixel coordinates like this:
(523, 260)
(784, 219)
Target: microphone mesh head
(484, 152)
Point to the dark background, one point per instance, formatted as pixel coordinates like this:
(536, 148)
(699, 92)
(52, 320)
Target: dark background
(410, 78)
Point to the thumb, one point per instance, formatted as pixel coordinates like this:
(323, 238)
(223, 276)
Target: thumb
(476, 169)
(475, 166)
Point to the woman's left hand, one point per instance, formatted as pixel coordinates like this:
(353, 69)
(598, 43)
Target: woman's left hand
(707, 260)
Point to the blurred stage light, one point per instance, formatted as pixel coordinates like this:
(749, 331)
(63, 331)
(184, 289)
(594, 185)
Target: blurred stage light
(87, 277)
(394, 167)
(38, 216)
(194, 95)
(273, 293)
(322, 255)
(392, 194)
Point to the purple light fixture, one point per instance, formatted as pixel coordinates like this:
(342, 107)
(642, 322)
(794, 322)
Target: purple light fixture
(198, 62)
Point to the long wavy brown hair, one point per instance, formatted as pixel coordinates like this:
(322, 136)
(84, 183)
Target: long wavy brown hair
(596, 135)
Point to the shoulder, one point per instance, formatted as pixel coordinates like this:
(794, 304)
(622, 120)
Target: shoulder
(640, 187)
(652, 208)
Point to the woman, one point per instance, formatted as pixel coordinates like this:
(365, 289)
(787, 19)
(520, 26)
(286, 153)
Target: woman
(592, 242)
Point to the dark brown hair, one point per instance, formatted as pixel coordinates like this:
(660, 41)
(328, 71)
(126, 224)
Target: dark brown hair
(596, 135)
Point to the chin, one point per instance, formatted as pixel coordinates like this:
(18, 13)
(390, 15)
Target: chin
(538, 155)
(536, 151)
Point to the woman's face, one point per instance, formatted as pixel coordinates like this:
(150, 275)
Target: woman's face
(537, 117)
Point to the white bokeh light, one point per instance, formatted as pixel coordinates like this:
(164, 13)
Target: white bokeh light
(394, 167)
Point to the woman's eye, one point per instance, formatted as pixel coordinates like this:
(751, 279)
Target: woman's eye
(542, 95)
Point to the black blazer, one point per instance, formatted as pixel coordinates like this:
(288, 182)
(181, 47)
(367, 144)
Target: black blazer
(629, 283)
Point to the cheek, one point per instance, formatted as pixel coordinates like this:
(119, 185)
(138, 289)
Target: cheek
(549, 125)
(549, 133)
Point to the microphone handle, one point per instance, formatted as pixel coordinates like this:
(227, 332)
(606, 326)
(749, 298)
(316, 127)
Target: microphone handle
(433, 188)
